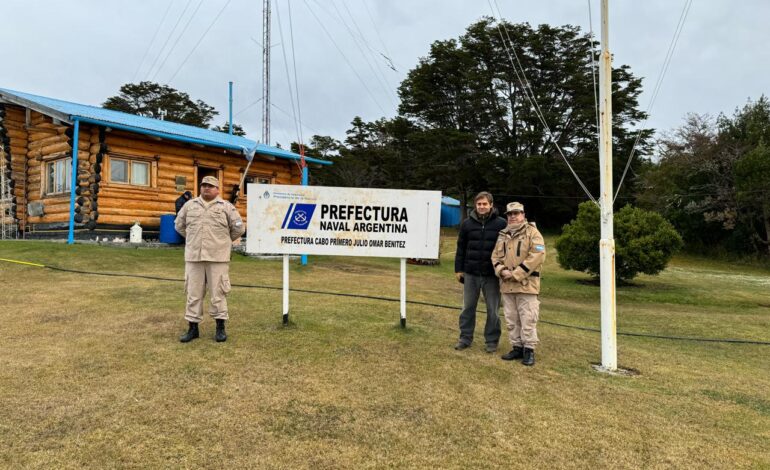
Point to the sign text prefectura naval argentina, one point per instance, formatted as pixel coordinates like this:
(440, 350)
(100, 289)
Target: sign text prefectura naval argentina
(371, 219)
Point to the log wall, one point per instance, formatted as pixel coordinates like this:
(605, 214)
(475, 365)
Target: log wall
(101, 202)
(122, 204)
(14, 136)
(46, 142)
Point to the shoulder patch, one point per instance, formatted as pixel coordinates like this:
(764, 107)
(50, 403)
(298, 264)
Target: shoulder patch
(539, 247)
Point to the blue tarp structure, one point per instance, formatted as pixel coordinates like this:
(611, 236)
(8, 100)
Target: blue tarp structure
(451, 212)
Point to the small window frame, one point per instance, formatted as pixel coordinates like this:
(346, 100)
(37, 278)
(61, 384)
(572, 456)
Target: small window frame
(130, 161)
(257, 178)
(57, 165)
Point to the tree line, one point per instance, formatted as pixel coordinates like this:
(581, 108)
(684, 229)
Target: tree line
(467, 122)
(712, 180)
(164, 102)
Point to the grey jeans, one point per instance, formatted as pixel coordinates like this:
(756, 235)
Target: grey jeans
(473, 287)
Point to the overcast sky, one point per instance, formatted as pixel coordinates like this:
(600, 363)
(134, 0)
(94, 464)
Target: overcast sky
(84, 50)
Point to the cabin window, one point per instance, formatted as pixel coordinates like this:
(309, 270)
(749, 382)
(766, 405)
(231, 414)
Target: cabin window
(58, 176)
(140, 173)
(255, 180)
(118, 170)
(129, 172)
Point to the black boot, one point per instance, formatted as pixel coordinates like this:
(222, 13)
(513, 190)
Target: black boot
(191, 334)
(220, 335)
(516, 353)
(529, 357)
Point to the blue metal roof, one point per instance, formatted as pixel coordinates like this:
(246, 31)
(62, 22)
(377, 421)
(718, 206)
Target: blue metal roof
(449, 201)
(68, 111)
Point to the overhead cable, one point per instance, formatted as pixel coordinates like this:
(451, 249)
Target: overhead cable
(389, 299)
(173, 46)
(387, 56)
(656, 89)
(247, 107)
(200, 40)
(289, 115)
(288, 78)
(168, 38)
(361, 39)
(347, 61)
(593, 66)
(530, 94)
(152, 41)
(296, 80)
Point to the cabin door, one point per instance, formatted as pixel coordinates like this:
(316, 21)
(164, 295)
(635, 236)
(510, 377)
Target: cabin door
(202, 173)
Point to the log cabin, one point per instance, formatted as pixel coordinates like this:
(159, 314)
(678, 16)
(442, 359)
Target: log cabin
(128, 168)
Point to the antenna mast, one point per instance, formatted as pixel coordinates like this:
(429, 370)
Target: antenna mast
(266, 72)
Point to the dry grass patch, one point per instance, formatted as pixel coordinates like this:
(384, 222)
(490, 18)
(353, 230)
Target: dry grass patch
(92, 374)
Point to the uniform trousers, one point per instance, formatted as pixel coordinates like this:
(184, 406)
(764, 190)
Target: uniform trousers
(201, 274)
(521, 314)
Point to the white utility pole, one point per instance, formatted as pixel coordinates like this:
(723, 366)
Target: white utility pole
(607, 243)
(265, 72)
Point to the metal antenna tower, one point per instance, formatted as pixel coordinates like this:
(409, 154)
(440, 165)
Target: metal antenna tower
(266, 72)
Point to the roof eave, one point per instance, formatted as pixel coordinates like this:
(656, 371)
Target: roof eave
(163, 135)
(267, 150)
(17, 100)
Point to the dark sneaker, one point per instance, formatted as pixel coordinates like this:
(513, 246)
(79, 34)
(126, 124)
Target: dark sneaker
(516, 353)
(460, 346)
(490, 348)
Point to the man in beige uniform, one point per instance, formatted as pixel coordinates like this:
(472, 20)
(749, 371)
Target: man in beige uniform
(518, 257)
(209, 226)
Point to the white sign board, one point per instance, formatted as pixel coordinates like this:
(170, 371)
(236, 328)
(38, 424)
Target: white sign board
(320, 220)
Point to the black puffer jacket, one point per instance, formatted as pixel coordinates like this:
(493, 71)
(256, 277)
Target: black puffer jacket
(476, 242)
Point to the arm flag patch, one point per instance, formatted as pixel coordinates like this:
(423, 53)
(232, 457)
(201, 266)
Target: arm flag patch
(539, 247)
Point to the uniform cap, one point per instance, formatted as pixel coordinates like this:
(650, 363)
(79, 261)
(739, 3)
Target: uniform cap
(210, 180)
(514, 206)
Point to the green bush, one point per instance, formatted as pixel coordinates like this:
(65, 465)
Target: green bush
(644, 242)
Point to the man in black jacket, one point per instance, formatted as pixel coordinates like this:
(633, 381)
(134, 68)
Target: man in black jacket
(473, 268)
(182, 200)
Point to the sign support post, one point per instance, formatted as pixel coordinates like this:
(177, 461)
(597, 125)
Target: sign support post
(403, 292)
(285, 289)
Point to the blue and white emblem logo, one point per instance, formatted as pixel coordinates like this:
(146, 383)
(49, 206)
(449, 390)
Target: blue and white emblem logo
(298, 216)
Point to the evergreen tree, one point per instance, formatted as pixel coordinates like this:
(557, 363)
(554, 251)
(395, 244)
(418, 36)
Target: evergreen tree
(161, 102)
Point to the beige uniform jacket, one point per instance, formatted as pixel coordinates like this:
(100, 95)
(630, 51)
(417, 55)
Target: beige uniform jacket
(209, 229)
(522, 252)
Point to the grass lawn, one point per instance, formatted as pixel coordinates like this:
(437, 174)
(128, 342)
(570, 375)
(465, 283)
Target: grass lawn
(92, 373)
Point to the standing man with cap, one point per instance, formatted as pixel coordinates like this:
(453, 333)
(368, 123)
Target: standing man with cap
(473, 268)
(518, 258)
(209, 226)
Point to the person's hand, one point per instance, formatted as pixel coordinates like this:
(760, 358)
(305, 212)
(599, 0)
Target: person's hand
(460, 277)
(506, 274)
(237, 242)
